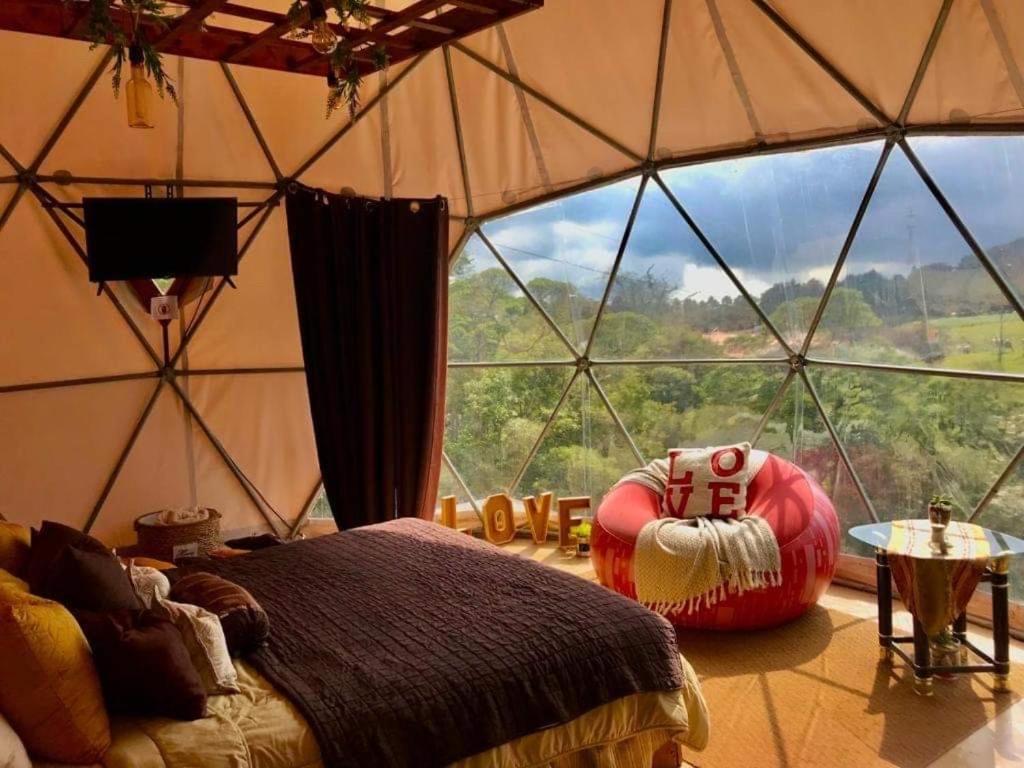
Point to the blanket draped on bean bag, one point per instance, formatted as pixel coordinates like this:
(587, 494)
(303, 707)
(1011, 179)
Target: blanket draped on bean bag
(787, 497)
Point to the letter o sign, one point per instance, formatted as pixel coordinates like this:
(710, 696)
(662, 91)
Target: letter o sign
(727, 462)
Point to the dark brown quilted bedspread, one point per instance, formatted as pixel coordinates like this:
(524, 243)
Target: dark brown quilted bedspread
(408, 644)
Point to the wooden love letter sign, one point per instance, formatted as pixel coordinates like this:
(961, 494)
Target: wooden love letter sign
(538, 516)
(499, 522)
(449, 518)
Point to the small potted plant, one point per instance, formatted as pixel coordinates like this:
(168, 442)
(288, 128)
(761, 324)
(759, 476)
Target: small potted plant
(940, 509)
(582, 534)
(940, 512)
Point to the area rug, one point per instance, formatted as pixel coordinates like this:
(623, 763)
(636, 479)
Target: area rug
(812, 693)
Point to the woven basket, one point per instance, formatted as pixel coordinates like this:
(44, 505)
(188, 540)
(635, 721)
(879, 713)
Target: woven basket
(162, 541)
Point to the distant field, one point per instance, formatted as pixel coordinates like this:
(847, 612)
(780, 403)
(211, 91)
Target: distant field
(980, 331)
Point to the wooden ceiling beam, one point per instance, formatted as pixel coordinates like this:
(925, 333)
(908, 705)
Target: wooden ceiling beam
(405, 33)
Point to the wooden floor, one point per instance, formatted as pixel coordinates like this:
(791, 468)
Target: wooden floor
(999, 743)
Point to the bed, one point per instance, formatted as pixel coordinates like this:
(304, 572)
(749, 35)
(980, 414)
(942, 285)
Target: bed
(407, 643)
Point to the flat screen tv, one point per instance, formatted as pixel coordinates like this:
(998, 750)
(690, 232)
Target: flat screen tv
(142, 238)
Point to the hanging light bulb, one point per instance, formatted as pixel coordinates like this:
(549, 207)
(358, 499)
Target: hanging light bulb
(323, 37)
(139, 91)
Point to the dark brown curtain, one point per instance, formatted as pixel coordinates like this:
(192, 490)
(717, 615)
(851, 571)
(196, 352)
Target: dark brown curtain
(371, 286)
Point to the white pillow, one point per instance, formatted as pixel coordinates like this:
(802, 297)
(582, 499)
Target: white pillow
(151, 586)
(707, 482)
(207, 647)
(12, 751)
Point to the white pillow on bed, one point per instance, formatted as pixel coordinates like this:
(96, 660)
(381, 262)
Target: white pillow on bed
(150, 584)
(207, 646)
(12, 751)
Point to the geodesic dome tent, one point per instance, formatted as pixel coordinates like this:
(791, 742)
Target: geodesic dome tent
(696, 221)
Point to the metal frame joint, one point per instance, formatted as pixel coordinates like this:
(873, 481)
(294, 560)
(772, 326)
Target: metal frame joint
(797, 362)
(895, 133)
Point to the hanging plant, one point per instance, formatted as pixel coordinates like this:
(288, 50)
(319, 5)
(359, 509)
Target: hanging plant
(309, 21)
(103, 29)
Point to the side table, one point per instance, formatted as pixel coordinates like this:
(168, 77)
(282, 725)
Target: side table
(932, 599)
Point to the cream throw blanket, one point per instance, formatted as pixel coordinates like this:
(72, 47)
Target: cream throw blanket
(687, 564)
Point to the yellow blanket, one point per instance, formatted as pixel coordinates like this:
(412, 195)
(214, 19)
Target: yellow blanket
(259, 728)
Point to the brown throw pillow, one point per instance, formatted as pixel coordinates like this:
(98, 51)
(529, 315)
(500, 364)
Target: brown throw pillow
(49, 543)
(143, 664)
(246, 624)
(90, 582)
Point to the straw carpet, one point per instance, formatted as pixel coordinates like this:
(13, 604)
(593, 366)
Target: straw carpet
(813, 694)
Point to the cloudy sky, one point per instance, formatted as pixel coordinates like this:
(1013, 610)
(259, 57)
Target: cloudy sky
(776, 218)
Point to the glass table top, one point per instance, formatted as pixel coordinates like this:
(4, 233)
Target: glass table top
(965, 541)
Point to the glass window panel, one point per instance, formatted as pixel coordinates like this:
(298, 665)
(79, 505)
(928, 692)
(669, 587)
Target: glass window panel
(779, 221)
(564, 252)
(983, 179)
(671, 406)
(583, 454)
(910, 436)
(797, 432)
(912, 293)
(489, 318)
(1005, 514)
(321, 508)
(671, 299)
(494, 416)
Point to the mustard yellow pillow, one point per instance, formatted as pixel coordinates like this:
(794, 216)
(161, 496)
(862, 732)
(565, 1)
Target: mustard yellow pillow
(11, 581)
(15, 544)
(49, 690)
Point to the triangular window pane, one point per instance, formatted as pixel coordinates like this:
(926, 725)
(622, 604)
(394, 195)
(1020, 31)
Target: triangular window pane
(910, 436)
(494, 417)
(490, 319)
(795, 431)
(983, 179)
(564, 252)
(1003, 514)
(913, 293)
(672, 300)
(671, 406)
(780, 221)
(583, 454)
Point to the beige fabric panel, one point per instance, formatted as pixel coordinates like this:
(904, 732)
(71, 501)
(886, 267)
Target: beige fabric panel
(356, 161)
(154, 476)
(876, 44)
(505, 165)
(157, 475)
(291, 113)
(700, 108)
(424, 150)
(218, 142)
(623, 73)
(217, 487)
(41, 80)
(60, 447)
(791, 95)
(263, 421)
(52, 324)
(255, 326)
(968, 79)
(99, 142)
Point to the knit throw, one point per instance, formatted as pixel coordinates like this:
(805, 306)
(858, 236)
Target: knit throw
(689, 564)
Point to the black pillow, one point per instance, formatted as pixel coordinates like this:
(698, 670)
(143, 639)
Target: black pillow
(49, 543)
(143, 665)
(89, 581)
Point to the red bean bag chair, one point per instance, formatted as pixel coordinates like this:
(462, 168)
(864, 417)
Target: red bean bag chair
(800, 514)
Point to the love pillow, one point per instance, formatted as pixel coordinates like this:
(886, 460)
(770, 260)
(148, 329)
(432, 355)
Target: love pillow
(707, 482)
